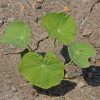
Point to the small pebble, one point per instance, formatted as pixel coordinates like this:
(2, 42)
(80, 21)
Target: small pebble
(39, 1)
(66, 76)
(80, 85)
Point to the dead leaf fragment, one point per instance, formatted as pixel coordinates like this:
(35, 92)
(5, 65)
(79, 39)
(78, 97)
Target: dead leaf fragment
(66, 9)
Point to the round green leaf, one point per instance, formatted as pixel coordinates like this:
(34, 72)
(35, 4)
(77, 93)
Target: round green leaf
(43, 72)
(80, 53)
(18, 34)
(60, 26)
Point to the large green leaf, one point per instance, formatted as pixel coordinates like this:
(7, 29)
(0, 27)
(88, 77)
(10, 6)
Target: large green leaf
(80, 53)
(43, 72)
(60, 26)
(18, 34)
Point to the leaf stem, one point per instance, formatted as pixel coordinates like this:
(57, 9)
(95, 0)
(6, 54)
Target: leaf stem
(54, 42)
(30, 49)
(69, 62)
(54, 45)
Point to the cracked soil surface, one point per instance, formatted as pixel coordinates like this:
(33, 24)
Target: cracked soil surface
(87, 16)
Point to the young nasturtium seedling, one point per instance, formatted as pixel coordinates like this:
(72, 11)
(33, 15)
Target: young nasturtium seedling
(48, 71)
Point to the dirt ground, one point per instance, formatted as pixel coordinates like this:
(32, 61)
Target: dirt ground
(74, 87)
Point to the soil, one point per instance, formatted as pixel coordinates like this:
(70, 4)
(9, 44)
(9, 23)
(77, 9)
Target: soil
(75, 86)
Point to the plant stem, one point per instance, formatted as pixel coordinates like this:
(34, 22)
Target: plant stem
(69, 62)
(54, 45)
(54, 42)
(30, 49)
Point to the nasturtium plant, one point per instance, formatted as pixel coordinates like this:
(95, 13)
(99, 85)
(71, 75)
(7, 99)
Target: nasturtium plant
(60, 26)
(44, 72)
(18, 34)
(47, 71)
(80, 53)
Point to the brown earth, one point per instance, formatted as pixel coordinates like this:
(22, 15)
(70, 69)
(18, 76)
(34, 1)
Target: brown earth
(87, 16)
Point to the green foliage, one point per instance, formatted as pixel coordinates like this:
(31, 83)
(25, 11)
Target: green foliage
(48, 71)
(43, 72)
(80, 53)
(60, 26)
(18, 34)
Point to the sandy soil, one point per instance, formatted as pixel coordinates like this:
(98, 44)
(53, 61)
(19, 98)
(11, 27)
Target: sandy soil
(74, 87)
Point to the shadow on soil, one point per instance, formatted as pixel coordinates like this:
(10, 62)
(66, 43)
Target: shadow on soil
(27, 51)
(24, 52)
(64, 53)
(92, 75)
(59, 90)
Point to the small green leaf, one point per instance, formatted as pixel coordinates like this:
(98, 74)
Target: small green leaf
(60, 26)
(18, 34)
(80, 53)
(43, 72)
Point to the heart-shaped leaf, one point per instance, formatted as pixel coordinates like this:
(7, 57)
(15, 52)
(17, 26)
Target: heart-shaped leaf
(80, 53)
(60, 26)
(43, 72)
(18, 34)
